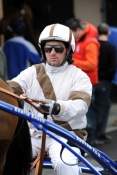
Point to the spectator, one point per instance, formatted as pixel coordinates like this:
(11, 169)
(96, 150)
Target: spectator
(107, 67)
(3, 68)
(20, 52)
(87, 47)
(86, 58)
(68, 103)
(113, 39)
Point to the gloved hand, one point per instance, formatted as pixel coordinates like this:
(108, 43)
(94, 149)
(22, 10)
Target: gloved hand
(50, 107)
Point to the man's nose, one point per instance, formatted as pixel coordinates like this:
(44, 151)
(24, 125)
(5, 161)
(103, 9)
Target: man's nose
(53, 50)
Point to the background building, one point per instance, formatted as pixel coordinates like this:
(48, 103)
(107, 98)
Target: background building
(48, 11)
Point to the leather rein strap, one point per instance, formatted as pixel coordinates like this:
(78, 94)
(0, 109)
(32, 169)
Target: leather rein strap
(30, 101)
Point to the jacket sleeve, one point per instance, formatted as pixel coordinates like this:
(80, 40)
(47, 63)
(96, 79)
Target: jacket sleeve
(23, 81)
(79, 99)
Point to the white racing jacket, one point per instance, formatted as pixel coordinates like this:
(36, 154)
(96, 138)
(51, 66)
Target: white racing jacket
(72, 88)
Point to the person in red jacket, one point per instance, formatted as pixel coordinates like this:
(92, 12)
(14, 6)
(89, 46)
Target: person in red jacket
(87, 50)
(86, 58)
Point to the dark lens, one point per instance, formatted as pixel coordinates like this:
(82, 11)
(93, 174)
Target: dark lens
(47, 49)
(58, 49)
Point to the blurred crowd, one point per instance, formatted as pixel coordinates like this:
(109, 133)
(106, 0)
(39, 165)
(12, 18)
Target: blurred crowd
(97, 57)
(94, 54)
(19, 49)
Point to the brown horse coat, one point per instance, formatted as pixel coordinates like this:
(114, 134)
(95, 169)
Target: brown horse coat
(15, 142)
(7, 125)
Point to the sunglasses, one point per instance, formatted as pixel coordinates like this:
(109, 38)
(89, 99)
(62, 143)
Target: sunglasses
(57, 48)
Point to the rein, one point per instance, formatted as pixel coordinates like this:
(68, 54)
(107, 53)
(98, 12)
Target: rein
(32, 102)
(38, 163)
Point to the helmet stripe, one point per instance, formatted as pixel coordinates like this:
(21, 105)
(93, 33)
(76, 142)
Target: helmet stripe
(52, 30)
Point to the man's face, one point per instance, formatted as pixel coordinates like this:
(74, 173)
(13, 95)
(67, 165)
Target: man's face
(55, 52)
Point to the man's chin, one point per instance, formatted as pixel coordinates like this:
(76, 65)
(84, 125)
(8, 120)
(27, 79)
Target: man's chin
(54, 64)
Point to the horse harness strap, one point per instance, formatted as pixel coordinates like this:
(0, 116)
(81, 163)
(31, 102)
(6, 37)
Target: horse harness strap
(30, 101)
(82, 133)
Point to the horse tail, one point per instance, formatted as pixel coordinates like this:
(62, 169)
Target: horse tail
(19, 157)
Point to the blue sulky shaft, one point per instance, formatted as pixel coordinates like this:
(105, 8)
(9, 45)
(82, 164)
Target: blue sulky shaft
(50, 127)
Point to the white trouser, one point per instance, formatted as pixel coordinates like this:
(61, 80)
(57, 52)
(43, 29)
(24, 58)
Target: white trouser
(53, 149)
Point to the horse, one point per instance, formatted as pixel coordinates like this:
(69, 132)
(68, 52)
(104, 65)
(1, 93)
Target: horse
(15, 141)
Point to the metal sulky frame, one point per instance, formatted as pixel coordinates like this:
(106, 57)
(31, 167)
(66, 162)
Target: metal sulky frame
(107, 165)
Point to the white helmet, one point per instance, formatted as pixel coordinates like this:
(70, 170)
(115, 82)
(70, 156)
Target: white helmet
(57, 32)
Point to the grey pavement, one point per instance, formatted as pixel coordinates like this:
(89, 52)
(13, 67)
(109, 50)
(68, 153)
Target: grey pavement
(112, 122)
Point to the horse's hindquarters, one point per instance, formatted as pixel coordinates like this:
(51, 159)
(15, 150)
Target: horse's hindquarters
(4, 144)
(7, 129)
(7, 126)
